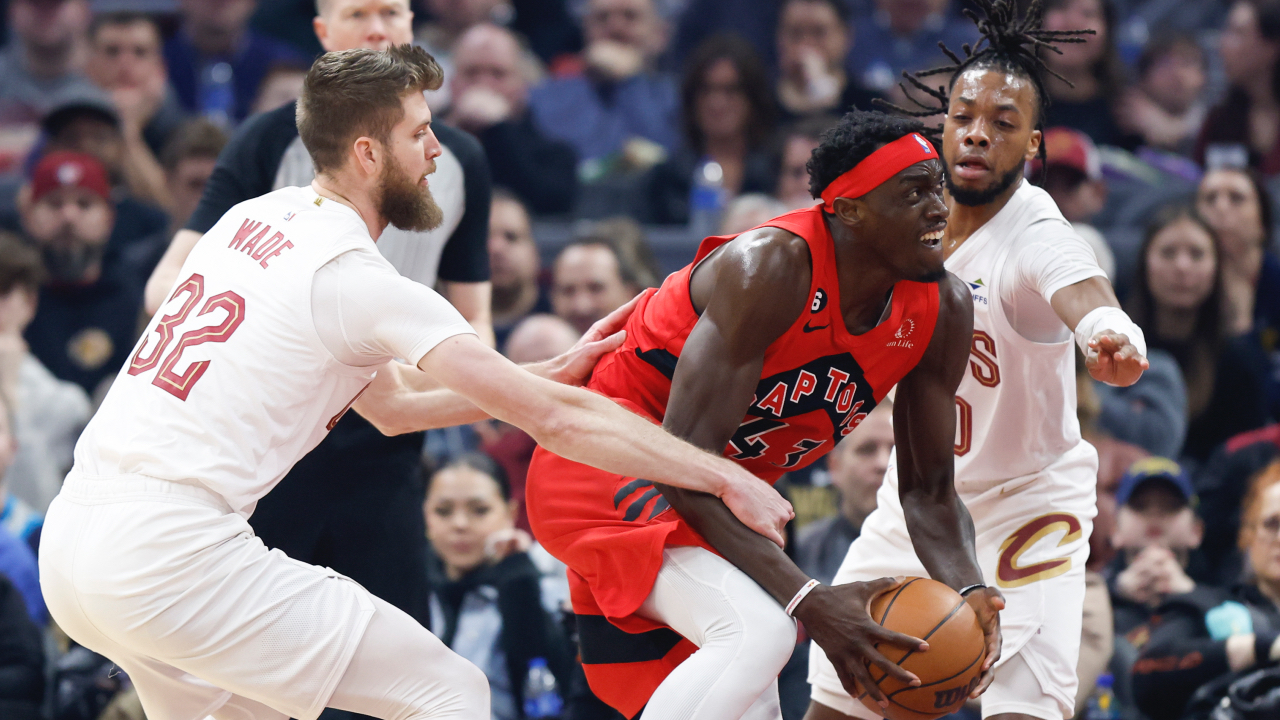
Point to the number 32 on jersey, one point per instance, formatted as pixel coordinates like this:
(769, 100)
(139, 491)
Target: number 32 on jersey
(982, 364)
(151, 351)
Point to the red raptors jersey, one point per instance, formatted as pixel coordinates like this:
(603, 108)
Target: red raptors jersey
(818, 383)
(819, 380)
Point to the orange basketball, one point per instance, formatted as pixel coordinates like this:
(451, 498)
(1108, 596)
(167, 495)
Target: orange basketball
(948, 670)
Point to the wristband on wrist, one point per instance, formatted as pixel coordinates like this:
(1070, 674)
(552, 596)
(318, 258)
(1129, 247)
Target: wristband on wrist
(964, 591)
(801, 594)
(1264, 648)
(1109, 318)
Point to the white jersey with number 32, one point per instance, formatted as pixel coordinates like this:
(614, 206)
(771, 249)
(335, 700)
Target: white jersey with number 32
(1016, 406)
(230, 384)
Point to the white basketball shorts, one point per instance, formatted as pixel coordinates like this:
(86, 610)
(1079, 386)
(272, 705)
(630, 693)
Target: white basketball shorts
(168, 582)
(1032, 543)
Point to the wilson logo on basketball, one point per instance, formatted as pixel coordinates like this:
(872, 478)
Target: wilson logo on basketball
(1010, 574)
(947, 698)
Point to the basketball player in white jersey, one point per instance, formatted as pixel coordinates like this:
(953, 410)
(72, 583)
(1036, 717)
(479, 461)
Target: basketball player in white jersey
(276, 325)
(1021, 466)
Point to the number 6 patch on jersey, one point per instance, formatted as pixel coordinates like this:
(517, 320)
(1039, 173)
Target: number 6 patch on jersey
(1011, 573)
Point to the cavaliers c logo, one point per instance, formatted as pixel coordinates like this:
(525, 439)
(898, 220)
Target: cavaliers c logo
(1009, 574)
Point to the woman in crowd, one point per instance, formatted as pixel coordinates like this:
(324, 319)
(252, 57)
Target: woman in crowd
(1248, 119)
(727, 115)
(1093, 68)
(1177, 299)
(1229, 632)
(487, 602)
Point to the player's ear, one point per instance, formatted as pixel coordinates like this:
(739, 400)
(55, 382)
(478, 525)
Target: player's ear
(1033, 145)
(849, 211)
(368, 153)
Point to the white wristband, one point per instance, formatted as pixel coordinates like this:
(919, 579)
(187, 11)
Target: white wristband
(800, 595)
(1113, 319)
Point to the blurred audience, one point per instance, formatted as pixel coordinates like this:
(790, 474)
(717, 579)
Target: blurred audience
(619, 107)
(1094, 74)
(727, 118)
(17, 556)
(40, 69)
(748, 211)
(1073, 178)
(1156, 534)
(755, 20)
(47, 414)
(857, 467)
(1177, 298)
(1247, 121)
(814, 37)
(897, 35)
(280, 86)
(797, 143)
(1204, 640)
(216, 61)
(606, 265)
(1221, 486)
(1236, 204)
(447, 21)
(188, 161)
(125, 60)
(490, 83)
(86, 320)
(1167, 106)
(22, 660)
(514, 265)
(487, 602)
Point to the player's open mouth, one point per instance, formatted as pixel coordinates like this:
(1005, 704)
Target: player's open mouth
(972, 167)
(933, 239)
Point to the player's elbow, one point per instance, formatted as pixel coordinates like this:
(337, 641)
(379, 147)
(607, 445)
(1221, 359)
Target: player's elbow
(558, 428)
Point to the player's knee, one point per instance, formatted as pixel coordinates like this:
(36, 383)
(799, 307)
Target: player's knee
(771, 635)
(470, 686)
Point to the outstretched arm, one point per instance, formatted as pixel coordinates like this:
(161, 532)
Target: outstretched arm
(1116, 352)
(924, 429)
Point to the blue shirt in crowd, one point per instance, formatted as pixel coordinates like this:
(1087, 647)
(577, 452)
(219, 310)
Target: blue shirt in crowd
(225, 87)
(879, 56)
(18, 563)
(597, 119)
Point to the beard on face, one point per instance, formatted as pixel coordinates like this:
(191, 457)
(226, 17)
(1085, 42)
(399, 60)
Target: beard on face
(404, 203)
(70, 260)
(974, 198)
(932, 276)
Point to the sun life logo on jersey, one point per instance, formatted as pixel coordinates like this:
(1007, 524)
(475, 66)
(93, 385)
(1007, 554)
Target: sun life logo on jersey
(979, 291)
(289, 216)
(900, 338)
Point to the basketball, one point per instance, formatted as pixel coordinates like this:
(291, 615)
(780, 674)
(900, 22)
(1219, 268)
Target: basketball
(948, 671)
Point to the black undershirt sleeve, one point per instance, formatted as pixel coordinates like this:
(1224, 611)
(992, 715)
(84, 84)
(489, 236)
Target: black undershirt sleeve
(1177, 660)
(465, 257)
(247, 165)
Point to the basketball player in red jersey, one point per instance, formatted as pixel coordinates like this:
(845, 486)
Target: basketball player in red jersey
(770, 347)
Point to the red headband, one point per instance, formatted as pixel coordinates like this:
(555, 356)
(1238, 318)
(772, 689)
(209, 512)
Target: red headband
(878, 167)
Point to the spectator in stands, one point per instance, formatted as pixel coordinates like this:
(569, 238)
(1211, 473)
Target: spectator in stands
(1166, 107)
(487, 603)
(48, 414)
(600, 271)
(1156, 534)
(813, 40)
(40, 69)
(620, 98)
(281, 86)
(727, 115)
(514, 265)
(1073, 178)
(898, 35)
(1178, 299)
(1221, 486)
(1248, 118)
(17, 556)
(188, 161)
(797, 144)
(491, 101)
(1236, 204)
(125, 60)
(22, 660)
(216, 61)
(1093, 69)
(857, 468)
(86, 320)
(747, 211)
(1229, 632)
(755, 20)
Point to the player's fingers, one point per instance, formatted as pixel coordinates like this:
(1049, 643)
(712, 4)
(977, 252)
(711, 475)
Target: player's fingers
(889, 667)
(862, 674)
(609, 344)
(906, 642)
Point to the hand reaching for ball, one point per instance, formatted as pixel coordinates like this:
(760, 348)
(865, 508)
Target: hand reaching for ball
(987, 604)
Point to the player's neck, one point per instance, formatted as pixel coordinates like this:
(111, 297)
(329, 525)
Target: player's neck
(334, 189)
(865, 280)
(966, 220)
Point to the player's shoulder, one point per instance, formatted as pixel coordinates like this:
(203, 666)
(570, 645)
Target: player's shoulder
(769, 254)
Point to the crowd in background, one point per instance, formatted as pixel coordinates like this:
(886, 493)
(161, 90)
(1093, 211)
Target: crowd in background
(617, 134)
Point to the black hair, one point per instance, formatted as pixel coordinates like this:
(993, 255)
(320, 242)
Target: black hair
(839, 7)
(858, 134)
(124, 17)
(753, 80)
(482, 464)
(1166, 44)
(1009, 44)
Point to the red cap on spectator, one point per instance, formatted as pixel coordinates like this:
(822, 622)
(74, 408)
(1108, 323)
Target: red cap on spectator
(69, 169)
(1066, 147)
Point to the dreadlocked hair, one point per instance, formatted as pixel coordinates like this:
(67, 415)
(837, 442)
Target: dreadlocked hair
(1008, 43)
(858, 134)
